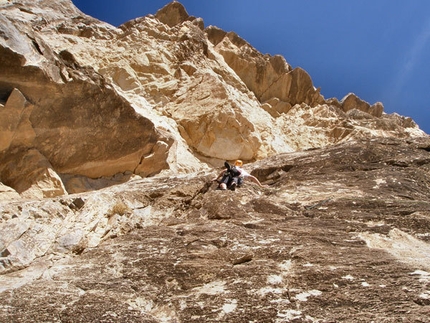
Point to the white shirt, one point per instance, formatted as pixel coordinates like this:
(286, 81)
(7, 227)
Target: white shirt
(243, 172)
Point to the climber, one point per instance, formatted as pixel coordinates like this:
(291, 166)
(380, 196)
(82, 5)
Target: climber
(233, 176)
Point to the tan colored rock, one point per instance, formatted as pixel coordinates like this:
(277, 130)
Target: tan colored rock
(294, 87)
(377, 109)
(172, 14)
(31, 175)
(267, 76)
(351, 101)
(15, 125)
(276, 106)
(8, 193)
(79, 184)
(159, 94)
(306, 239)
(216, 124)
(269, 109)
(141, 105)
(99, 132)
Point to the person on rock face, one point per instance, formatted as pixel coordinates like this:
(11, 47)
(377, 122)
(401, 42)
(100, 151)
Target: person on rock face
(232, 177)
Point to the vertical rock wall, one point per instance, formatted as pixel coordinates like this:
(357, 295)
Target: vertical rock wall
(159, 93)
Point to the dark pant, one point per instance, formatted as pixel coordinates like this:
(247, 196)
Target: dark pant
(227, 179)
(238, 180)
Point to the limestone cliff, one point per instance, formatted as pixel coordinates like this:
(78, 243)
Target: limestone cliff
(109, 142)
(86, 105)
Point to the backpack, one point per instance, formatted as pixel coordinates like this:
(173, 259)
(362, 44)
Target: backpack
(232, 170)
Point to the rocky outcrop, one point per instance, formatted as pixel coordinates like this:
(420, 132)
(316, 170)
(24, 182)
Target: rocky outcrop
(353, 102)
(99, 105)
(108, 211)
(68, 115)
(15, 124)
(173, 14)
(31, 175)
(268, 77)
(339, 234)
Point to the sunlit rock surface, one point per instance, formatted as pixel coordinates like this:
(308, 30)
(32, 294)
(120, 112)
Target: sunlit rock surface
(109, 141)
(339, 234)
(160, 93)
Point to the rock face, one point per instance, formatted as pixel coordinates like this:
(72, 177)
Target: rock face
(340, 234)
(158, 94)
(268, 77)
(108, 211)
(65, 113)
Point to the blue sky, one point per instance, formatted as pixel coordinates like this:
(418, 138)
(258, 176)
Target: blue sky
(378, 49)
